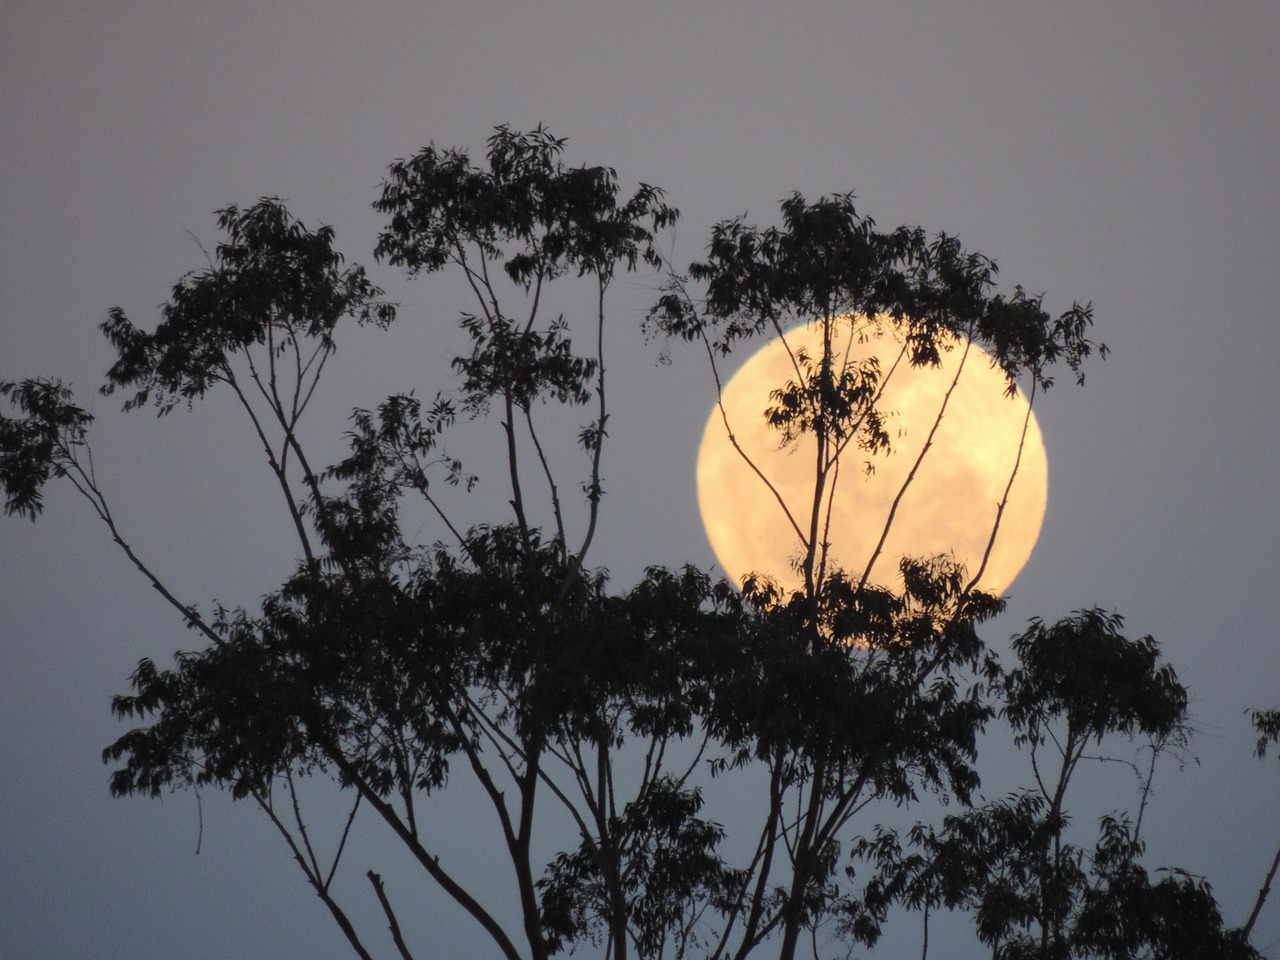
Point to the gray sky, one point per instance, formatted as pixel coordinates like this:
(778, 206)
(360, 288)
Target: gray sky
(1119, 152)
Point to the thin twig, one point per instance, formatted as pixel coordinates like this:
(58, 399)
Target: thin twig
(594, 492)
(344, 923)
(1262, 897)
(342, 842)
(396, 936)
(911, 475)
(552, 486)
(83, 483)
(746, 458)
(1004, 500)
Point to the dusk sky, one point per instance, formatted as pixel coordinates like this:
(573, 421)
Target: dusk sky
(1125, 153)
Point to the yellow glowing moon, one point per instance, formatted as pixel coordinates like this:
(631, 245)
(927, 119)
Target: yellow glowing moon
(949, 508)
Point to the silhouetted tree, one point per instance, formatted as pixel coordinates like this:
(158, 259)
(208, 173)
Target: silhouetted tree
(388, 667)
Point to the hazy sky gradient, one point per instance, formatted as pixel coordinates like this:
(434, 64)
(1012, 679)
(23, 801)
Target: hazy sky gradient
(1126, 153)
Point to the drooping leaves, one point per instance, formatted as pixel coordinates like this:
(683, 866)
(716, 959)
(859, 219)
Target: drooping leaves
(827, 260)
(524, 207)
(38, 445)
(273, 283)
(1083, 671)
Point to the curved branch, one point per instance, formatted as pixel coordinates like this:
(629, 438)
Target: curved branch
(928, 443)
(746, 458)
(1004, 500)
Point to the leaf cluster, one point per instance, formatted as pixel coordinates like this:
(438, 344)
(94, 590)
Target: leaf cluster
(827, 260)
(524, 208)
(272, 283)
(1032, 891)
(1084, 671)
(38, 444)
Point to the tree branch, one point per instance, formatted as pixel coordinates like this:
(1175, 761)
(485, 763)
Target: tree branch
(928, 443)
(376, 880)
(1263, 893)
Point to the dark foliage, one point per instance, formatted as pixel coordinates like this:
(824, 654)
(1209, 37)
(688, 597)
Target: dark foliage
(498, 655)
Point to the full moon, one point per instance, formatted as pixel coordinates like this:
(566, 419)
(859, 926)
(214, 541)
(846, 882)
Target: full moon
(949, 508)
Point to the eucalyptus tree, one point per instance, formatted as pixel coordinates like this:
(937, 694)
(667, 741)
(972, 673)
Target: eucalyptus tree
(852, 710)
(392, 669)
(384, 665)
(1032, 890)
(913, 726)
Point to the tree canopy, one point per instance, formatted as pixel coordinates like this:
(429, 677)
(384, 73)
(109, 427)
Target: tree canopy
(593, 718)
